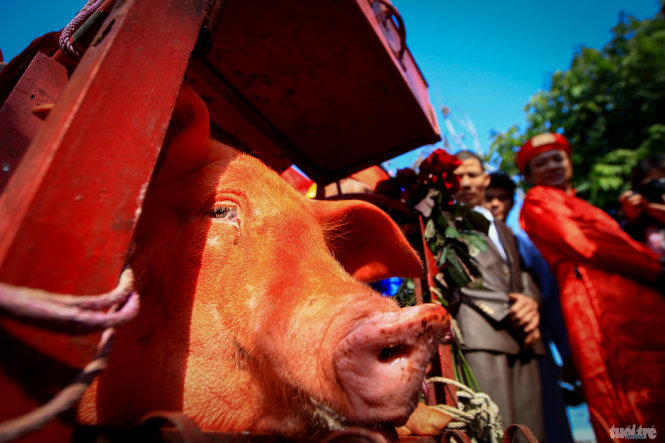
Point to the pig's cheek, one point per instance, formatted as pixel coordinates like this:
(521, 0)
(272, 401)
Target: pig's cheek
(222, 235)
(218, 244)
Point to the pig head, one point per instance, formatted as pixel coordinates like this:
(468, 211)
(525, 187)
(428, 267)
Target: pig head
(254, 312)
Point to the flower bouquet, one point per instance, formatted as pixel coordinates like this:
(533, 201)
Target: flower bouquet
(450, 237)
(451, 229)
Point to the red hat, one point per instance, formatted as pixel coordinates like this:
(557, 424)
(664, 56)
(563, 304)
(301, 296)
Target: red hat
(540, 143)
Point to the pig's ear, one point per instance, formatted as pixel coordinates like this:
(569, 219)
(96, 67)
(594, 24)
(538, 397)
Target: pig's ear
(187, 143)
(366, 241)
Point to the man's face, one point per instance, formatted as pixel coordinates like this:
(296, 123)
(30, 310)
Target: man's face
(473, 182)
(551, 168)
(499, 202)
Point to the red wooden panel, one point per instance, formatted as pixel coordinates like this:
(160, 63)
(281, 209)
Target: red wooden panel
(71, 207)
(233, 116)
(322, 82)
(69, 210)
(41, 83)
(380, 15)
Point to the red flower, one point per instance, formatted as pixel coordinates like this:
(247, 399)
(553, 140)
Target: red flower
(438, 162)
(437, 170)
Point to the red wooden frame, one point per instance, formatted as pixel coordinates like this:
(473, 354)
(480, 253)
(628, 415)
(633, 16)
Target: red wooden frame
(67, 231)
(109, 122)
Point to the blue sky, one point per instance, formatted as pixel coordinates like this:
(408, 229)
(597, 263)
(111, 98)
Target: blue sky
(21, 21)
(485, 59)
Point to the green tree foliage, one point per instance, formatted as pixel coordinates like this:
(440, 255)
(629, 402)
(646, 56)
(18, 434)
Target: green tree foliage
(610, 105)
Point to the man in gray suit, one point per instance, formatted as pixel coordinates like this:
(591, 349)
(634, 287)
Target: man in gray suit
(499, 320)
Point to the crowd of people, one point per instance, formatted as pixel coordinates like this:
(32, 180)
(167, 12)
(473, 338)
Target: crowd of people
(574, 280)
(569, 309)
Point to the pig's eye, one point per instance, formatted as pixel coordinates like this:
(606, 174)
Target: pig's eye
(228, 213)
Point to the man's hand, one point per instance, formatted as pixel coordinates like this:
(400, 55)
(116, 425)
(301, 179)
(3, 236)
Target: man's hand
(524, 313)
(633, 204)
(532, 338)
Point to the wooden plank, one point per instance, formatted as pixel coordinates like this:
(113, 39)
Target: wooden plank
(230, 113)
(41, 83)
(322, 83)
(69, 211)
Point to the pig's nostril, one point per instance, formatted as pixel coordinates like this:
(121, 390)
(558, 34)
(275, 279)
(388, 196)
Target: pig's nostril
(392, 353)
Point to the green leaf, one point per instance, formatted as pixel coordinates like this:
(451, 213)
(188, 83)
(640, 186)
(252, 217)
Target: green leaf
(406, 295)
(476, 241)
(430, 229)
(451, 232)
(479, 222)
(442, 220)
(455, 269)
(441, 260)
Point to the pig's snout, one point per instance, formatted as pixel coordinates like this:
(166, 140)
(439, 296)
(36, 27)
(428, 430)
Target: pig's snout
(381, 362)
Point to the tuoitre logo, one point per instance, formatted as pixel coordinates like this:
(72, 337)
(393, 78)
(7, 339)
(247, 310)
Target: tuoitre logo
(633, 432)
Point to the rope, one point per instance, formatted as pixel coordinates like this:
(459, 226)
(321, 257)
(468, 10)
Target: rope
(80, 18)
(478, 415)
(56, 312)
(63, 400)
(71, 313)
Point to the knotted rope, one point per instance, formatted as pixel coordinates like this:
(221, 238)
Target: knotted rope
(80, 18)
(70, 314)
(478, 415)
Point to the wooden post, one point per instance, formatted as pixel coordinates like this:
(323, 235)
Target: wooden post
(68, 213)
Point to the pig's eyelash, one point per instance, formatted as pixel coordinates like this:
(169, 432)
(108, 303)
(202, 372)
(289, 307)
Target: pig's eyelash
(224, 212)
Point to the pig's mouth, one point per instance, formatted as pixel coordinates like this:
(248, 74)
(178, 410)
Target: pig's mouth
(336, 422)
(332, 420)
(380, 364)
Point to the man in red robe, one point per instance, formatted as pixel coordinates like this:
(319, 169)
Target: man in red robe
(611, 293)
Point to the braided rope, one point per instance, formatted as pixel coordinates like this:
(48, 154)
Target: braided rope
(58, 311)
(71, 313)
(477, 415)
(80, 18)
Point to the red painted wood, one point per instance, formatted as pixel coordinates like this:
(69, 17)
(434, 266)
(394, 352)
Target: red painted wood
(41, 83)
(402, 58)
(73, 202)
(235, 117)
(68, 213)
(322, 82)
(446, 361)
(442, 361)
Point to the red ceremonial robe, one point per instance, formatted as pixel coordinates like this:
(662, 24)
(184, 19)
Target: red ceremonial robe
(614, 317)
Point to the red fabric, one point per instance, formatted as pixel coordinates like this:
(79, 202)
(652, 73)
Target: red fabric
(613, 316)
(538, 144)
